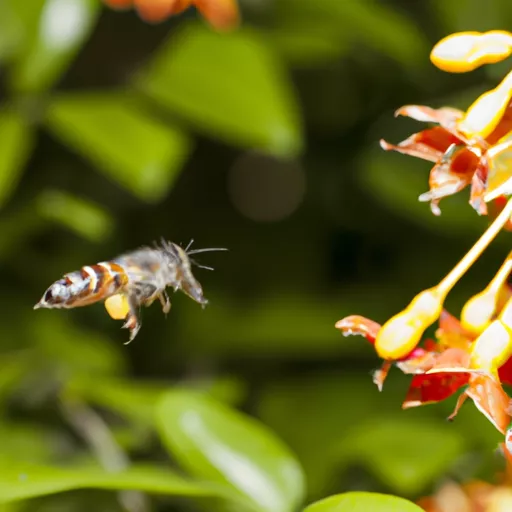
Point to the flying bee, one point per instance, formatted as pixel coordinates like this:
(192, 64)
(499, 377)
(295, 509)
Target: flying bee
(130, 281)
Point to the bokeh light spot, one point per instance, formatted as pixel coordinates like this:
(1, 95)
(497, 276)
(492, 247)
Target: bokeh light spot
(266, 189)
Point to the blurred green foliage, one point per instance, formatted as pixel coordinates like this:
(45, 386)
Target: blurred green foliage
(114, 133)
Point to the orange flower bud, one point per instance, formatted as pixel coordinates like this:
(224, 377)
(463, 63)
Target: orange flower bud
(401, 333)
(486, 112)
(466, 51)
(117, 306)
(222, 14)
(154, 11)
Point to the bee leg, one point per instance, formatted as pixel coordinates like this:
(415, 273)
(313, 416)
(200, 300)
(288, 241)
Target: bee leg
(165, 301)
(132, 320)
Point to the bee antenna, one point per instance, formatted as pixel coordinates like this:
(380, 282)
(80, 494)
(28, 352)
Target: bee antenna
(209, 249)
(189, 245)
(194, 262)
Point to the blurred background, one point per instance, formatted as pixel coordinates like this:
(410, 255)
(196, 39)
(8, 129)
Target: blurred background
(115, 132)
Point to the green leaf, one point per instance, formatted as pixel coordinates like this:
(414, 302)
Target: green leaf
(305, 327)
(396, 181)
(15, 367)
(26, 443)
(83, 217)
(62, 28)
(75, 351)
(16, 142)
(18, 24)
(367, 21)
(363, 502)
(301, 411)
(308, 45)
(228, 86)
(459, 15)
(219, 444)
(136, 400)
(20, 481)
(405, 455)
(10, 31)
(136, 151)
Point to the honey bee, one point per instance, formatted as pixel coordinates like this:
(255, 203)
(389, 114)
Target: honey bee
(130, 281)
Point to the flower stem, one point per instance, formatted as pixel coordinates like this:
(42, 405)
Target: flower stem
(474, 253)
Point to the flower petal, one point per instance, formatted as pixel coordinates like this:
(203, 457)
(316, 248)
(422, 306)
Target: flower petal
(499, 182)
(418, 362)
(453, 360)
(428, 144)
(450, 176)
(358, 325)
(380, 375)
(505, 372)
(427, 389)
(479, 186)
(445, 116)
(491, 400)
(495, 207)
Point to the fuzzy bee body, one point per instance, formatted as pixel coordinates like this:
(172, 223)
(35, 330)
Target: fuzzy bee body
(128, 282)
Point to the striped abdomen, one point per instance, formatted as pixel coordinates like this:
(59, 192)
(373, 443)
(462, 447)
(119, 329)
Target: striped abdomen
(85, 286)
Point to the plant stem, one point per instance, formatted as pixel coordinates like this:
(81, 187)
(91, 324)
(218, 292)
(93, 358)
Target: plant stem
(96, 433)
(474, 253)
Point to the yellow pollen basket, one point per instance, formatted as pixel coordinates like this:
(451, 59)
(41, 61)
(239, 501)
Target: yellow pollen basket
(117, 306)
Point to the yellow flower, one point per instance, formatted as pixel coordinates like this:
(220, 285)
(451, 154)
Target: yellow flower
(466, 51)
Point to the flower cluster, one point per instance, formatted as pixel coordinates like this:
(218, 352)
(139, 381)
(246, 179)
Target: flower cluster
(469, 148)
(474, 496)
(472, 148)
(221, 14)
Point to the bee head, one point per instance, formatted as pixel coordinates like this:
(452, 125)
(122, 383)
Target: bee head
(185, 279)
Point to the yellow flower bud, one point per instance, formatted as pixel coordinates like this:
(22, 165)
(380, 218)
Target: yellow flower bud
(402, 333)
(117, 306)
(506, 315)
(427, 305)
(466, 51)
(492, 348)
(478, 311)
(486, 112)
